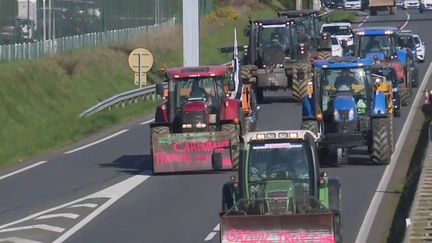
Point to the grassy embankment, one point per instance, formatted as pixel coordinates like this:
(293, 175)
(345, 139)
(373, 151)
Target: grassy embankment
(40, 100)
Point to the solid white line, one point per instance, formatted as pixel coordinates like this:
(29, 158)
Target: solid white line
(84, 205)
(23, 169)
(96, 142)
(36, 226)
(217, 228)
(210, 236)
(59, 215)
(369, 218)
(18, 240)
(407, 20)
(147, 122)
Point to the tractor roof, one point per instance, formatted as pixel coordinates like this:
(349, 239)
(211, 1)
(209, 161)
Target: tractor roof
(197, 72)
(377, 31)
(277, 134)
(343, 62)
(297, 13)
(274, 21)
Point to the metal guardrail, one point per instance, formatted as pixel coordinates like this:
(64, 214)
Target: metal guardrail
(128, 97)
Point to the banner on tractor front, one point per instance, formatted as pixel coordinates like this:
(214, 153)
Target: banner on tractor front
(190, 151)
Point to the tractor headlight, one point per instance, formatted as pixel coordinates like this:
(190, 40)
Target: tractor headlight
(201, 125)
(336, 115)
(187, 125)
(351, 115)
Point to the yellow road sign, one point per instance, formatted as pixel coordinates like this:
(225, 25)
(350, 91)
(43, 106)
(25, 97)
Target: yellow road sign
(140, 60)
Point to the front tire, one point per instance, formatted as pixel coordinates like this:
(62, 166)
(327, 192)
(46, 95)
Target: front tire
(234, 130)
(310, 125)
(380, 146)
(335, 205)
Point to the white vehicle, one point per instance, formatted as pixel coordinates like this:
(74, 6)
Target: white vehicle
(336, 47)
(425, 5)
(342, 31)
(399, 3)
(352, 4)
(420, 47)
(411, 4)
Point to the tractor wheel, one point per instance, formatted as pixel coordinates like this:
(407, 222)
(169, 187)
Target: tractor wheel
(324, 54)
(405, 97)
(335, 205)
(299, 85)
(380, 146)
(310, 125)
(415, 80)
(245, 71)
(156, 131)
(234, 130)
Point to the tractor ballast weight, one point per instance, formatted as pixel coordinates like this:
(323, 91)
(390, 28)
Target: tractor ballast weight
(280, 190)
(197, 119)
(348, 115)
(380, 43)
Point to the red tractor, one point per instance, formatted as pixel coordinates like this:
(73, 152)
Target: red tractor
(199, 116)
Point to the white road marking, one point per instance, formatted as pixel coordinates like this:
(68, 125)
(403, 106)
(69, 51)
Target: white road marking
(84, 205)
(59, 215)
(96, 142)
(35, 226)
(210, 236)
(147, 122)
(114, 193)
(364, 21)
(369, 218)
(18, 240)
(23, 169)
(407, 20)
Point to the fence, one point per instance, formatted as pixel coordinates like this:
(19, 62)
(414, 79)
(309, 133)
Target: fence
(37, 49)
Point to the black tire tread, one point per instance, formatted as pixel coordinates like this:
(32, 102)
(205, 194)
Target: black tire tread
(381, 147)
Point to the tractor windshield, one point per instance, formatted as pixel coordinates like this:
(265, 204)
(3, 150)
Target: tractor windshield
(211, 90)
(276, 41)
(385, 44)
(278, 161)
(342, 80)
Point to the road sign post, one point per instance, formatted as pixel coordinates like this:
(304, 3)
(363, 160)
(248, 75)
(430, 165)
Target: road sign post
(140, 61)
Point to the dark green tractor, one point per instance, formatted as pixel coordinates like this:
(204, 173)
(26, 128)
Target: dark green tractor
(280, 188)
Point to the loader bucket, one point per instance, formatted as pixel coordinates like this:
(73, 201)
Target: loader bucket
(184, 152)
(278, 228)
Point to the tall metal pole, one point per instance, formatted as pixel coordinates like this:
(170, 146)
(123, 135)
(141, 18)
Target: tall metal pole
(191, 35)
(54, 20)
(44, 19)
(49, 20)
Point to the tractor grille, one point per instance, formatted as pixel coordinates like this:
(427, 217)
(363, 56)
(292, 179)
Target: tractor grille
(278, 194)
(192, 119)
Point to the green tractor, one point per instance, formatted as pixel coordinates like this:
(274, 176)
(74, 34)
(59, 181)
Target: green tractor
(281, 189)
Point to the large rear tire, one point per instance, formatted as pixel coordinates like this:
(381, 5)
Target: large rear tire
(299, 84)
(405, 97)
(310, 125)
(234, 130)
(335, 205)
(324, 54)
(380, 146)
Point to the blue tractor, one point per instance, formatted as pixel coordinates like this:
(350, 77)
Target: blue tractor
(381, 44)
(344, 107)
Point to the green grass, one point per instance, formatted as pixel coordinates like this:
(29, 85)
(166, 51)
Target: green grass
(40, 100)
(342, 16)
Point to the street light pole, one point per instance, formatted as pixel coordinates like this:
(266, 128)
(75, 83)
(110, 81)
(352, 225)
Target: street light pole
(44, 19)
(49, 20)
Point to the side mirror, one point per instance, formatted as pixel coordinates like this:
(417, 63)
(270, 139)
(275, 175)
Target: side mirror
(217, 161)
(160, 89)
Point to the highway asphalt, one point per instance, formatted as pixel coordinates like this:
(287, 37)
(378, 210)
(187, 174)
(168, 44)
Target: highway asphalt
(104, 192)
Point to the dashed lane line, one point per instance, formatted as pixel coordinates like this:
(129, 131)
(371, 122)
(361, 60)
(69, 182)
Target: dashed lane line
(84, 205)
(35, 226)
(96, 142)
(22, 170)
